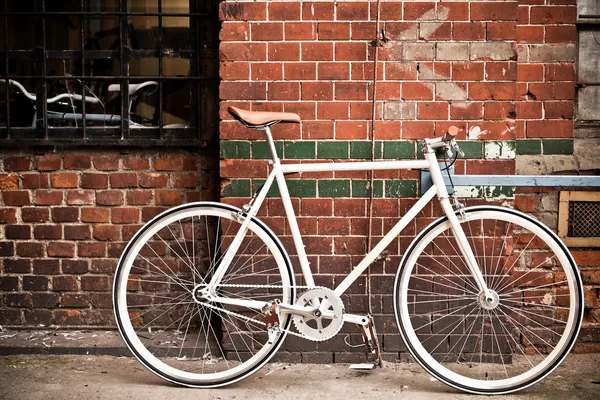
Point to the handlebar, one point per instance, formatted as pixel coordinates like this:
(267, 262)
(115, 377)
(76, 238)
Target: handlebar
(32, 97)
(447, 142)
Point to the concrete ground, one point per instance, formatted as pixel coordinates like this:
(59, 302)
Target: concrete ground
(109, 377)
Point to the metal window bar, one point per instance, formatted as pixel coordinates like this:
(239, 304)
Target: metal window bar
(204, 110)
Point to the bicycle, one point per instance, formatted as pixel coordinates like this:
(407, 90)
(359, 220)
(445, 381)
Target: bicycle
(487, 299)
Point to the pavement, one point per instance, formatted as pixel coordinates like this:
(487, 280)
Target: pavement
(60, 375)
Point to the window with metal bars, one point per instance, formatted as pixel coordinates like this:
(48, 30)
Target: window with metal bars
(578, 216)
(130, 72)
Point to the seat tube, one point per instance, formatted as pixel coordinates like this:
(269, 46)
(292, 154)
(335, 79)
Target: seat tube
(457, 230)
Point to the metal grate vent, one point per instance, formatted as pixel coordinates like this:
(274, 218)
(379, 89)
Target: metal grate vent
(584, 219)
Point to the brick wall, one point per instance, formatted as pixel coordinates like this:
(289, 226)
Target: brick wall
(65, 217)
(506, 66)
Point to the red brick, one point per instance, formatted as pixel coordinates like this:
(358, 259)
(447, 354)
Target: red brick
(435, 31)
(394, 30)
(94, 181)
(466, 111)
(46, 267)
(351, 130)
(48, 197)
(349, 207)
(529, 109)
(242, 51)
(501, 31)
(35, 214)
(317, 207)
(267, 31)
(77, 162)
(153, 180)
(432, 110)
(457, 11)
(27, 249)
(553, 15)
(16, 198)
(317, 51)
(553, 91)
(75, 300)
(284, 91)
(419, 10)
(49, 163)
(91, 249)
(80, 197)
(139, 197)
(136, 163)
(490, 167)
(95, 215)
(333, 31)
(234, 70)
(467, 71)
(65, 180)
(530, 34)
(9, 182)
(351, 51)
(65, 214)
(285, 51)
(353, 11)
(387, 130)
(400, 71)
(77, 232)
(35, 283)
(417, 129)
(417, 91)
(284, 11)
(169, 197)
(300, 71)
(242, 11)
(7, 249)
(317, 129)
(22, 232)
(350, 91)
(109, 198)
(52, 232)
(561, 34)
(64, 284)
(499, 110)
(125, 215)
(501, 71)
(560, 72)
(389, 11)
(18, 266)
(107, 232)
(530, 72)
(35, 181)
(106, 163)
(61, 249)
(17, 163)
(318, 11)
(469, 31)
(549, 129)
(8, 215)
(94, 283)
(494, 11)
(243, 90)
(558, 109)
(260, 71)
(300, 31)
(491, 91)
(317, 91)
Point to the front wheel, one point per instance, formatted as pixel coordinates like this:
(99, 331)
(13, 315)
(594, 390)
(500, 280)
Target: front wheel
(472, 343)
(169, 326)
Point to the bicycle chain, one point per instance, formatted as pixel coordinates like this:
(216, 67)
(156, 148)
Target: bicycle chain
(243, 317)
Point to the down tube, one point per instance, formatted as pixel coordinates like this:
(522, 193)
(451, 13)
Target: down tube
(386, 240)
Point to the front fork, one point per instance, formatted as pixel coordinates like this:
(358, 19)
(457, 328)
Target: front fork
(457, 229)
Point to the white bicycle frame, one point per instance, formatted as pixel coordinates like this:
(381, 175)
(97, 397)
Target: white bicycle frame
(277, 174)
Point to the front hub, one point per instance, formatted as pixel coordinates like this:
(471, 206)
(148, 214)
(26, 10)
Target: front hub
(200, 294)
(489, 301)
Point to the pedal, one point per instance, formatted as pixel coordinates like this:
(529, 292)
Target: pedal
(272, 321)
(372, 343)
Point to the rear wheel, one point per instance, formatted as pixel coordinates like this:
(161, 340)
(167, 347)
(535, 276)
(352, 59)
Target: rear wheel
(168, 326)
(483, 346)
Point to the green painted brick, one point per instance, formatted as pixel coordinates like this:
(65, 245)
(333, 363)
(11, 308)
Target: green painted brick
(235, 149)
(299, 150)
(499, 191)
(362, 150)
(529, 147)
(332, 150)
(302, 187)
(360, 188)
(237, 188)
(257, 186)
(399, 149)
(260, 150)
(558, 146)
(334, 188)
(401, 188)
(472, 149)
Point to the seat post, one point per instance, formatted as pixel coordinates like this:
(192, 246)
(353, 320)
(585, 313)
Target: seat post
(271, 145)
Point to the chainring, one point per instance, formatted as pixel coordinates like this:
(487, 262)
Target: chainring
(320, 327)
